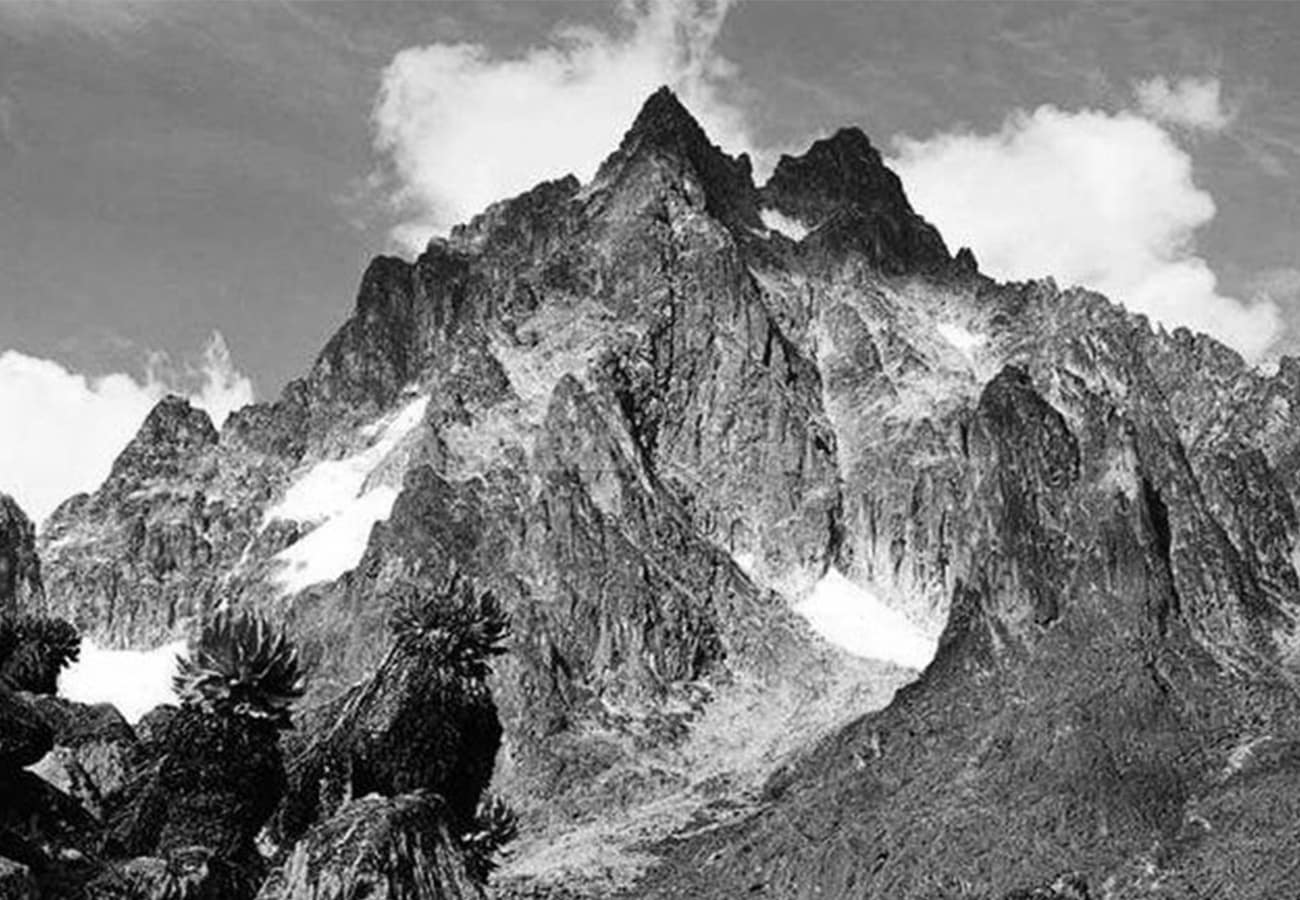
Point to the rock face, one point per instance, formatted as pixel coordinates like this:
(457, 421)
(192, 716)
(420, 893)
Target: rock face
(20, 568)
(647, 419)
(850, 202)
(154, 546)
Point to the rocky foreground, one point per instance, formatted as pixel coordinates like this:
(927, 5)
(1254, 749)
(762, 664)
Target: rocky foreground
(646, 420)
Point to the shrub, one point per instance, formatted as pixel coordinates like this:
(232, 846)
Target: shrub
(495, 825)
(240, 667)
(34, 650)
(457, 627)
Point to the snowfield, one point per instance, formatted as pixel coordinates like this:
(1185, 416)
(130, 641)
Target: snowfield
(135, 681)
(857, 621)
(335, 495)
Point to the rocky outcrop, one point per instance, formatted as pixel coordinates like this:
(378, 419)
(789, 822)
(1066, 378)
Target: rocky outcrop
(142, 560)
(93, 754)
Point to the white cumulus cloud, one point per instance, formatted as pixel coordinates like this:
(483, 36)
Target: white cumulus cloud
(63, 429)
(1102, 200)
(1194, 103)
(462, 127)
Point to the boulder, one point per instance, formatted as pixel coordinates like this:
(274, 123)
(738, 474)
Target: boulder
(152, 727)
(39, 824)
(94, 750)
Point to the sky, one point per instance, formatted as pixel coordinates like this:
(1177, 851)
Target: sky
(191, 190)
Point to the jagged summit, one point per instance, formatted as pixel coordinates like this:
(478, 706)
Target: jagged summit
(666, 145)
(173, 431)
(663, 118)
(841, 190)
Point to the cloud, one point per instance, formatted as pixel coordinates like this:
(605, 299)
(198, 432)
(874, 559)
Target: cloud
(221, 388)
(1193, 103)
(64, 429)
(462, 127)
(1103, 200)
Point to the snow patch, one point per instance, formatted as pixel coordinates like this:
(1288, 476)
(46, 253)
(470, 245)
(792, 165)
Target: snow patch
(330, 486)
(135, 681)
(776, 220)
(748, 562)
(334, 495)
(856, 620)
(336, 545)
(962, 338)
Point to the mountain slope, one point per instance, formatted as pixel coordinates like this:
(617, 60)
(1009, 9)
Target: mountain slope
(650, 420)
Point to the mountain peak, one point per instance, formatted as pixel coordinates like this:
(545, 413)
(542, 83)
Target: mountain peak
(663, 117)
(173, 432)
(666, 134)
(842, 190)
(849, 142)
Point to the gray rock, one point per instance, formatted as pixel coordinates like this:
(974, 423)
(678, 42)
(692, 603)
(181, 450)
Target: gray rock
(94, 751)
(21, 588)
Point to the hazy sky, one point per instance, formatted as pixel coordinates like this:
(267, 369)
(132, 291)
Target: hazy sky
(171, 170)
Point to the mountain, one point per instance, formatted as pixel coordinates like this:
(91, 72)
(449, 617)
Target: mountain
(659, 415)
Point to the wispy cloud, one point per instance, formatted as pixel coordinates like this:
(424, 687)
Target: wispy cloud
(66, 428)
(1194, 103)
(462, 126)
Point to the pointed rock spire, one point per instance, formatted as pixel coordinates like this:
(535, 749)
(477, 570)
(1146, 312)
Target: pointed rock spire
(172, 433)
(664, 131)
(842, 190)
(664, 120)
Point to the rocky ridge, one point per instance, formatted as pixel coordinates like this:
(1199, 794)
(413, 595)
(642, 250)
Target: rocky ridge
(647, 420)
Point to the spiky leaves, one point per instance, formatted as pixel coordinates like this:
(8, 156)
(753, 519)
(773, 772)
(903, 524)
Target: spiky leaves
(460, 628)
(34, 650)
(239, 666)
(495, 825)
(423, 721)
